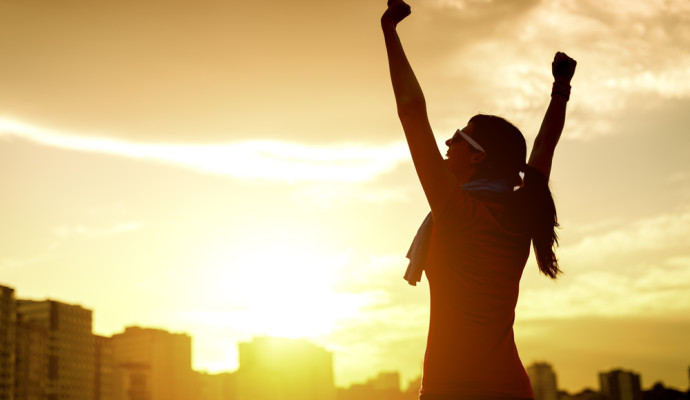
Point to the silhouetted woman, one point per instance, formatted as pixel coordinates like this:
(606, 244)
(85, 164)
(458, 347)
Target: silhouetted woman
(479, 232)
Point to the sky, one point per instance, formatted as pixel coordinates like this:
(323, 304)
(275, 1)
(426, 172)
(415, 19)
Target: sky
(233, 169)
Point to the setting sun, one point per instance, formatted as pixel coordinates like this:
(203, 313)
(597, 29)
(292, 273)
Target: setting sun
(287, 291)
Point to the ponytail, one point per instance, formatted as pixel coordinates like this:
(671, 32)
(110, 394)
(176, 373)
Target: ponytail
(533, 210)
(540, 219)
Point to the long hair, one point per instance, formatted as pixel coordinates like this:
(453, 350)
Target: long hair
(536, 200)
(532, 208)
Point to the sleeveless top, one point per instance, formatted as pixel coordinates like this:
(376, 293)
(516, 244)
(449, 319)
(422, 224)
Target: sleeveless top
(474, 265)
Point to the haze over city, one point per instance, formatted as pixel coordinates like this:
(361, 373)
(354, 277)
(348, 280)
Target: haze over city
(237, 169)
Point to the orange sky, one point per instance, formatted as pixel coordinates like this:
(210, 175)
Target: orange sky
(237, 168)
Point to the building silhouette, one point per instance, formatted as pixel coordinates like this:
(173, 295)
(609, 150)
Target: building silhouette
(585, 394)
(215, 386)
(48, 352)
(384, 386)
(618, 384)
(543, 380)
(133, 382)
(413, 387)
(659, 392)
(283, 369)
(8, 323)
(31, 368)
(104, 365)
(61, 335)
(151, 364)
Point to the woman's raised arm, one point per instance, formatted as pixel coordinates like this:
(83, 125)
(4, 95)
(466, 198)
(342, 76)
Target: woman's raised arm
(437, 180)
(541, 158)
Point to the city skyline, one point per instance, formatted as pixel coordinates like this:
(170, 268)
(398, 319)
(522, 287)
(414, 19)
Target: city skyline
(264, 355)
(233, 169)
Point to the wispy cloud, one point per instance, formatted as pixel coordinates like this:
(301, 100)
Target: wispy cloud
(70, 231)
(337, 195)
(7, 264)
(655, 234)
(620, 269)
(394, 321)
(462, 4)
(258, 159)
(660, 290)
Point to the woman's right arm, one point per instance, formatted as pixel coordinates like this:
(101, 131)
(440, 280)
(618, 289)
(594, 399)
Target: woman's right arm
(437, 180)
(541, 158)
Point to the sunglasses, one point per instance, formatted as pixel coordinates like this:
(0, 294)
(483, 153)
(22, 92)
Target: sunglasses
(462, 135)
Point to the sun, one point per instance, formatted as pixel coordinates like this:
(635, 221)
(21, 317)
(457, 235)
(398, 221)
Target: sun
(287, 290)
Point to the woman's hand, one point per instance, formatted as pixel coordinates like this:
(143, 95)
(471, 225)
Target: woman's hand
(396, 12)
(563, 68)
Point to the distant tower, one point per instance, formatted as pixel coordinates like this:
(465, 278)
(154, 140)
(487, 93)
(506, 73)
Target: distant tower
(8, 322)
(543, 380)
(620, 385)
(104, 367)
(272, 368)
(66, 329)
(153, 363)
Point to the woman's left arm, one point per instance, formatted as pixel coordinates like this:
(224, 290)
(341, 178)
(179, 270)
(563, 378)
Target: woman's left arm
(541, 157)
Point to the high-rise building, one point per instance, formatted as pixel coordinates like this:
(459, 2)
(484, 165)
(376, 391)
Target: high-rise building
(620, 385)
(543, 380)
(386, 382)
(132, 381)
(215, 386)
(8, 323)
(154, 363)
(31, 376)
(104, 365)
(272, 368)
(70, 346)
(386, 385)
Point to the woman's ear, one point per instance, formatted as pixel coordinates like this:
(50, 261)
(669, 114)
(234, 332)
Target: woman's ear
(477, 157)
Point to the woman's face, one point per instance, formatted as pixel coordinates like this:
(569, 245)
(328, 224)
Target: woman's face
(462, 158)
(457, 138)
(458, 147)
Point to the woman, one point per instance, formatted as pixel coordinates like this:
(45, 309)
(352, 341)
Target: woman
(481, 229)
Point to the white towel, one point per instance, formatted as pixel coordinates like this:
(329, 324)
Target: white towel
(418, 251)
(484, 188)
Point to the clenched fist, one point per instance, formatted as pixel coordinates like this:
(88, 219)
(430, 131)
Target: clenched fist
(563, 68)
(396, 12)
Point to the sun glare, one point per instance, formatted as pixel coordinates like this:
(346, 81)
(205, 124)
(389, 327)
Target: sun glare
(286, 291)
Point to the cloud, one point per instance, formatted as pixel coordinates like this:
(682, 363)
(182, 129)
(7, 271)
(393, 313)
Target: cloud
(641, 46)
(339, 195)
(389, 332)
(678, 177)
(69, 231)
(650, 235)
(626, 51)
(461, 4)
(250, 160)
(619, 269)
(392, 303)
(659, 290)
(7, 264)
